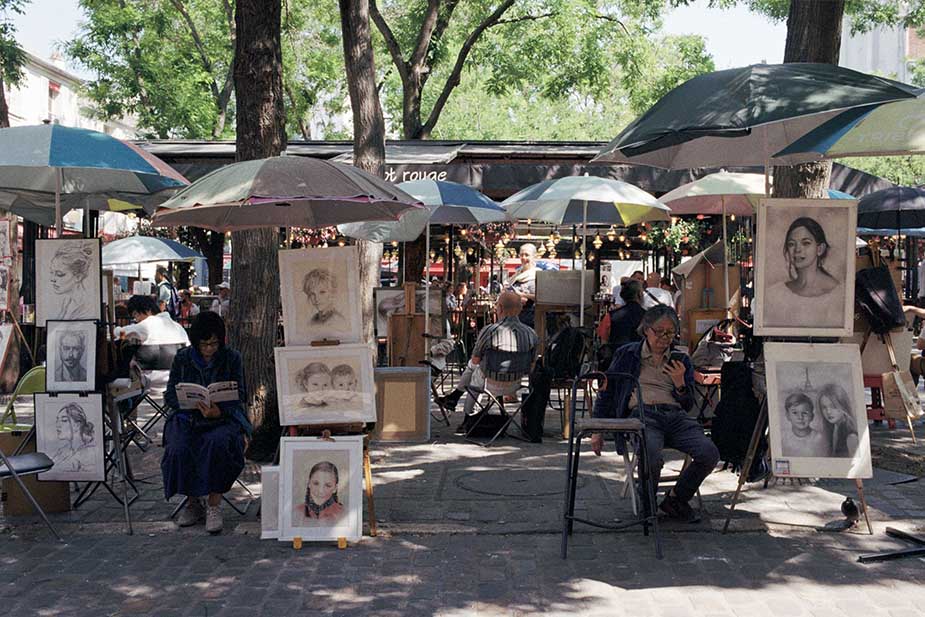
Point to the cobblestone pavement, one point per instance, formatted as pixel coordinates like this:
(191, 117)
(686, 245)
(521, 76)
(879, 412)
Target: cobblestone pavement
(471, 531)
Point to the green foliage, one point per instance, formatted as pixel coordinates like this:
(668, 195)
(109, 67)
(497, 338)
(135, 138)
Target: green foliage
(12, 57)
(901, 170)
(680, 234)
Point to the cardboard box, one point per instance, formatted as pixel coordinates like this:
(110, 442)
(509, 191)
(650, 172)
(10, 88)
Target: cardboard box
(52, 496)
(402, 404)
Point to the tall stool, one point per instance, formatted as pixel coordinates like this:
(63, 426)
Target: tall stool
(632, 432)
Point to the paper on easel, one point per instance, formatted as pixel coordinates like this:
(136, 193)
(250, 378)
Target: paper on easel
(900, 398)
(190, 394)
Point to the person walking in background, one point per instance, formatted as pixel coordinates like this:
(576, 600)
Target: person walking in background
(222, 303)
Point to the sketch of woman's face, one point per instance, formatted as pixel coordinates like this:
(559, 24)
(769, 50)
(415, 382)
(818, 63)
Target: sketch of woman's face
(64, 427)
(318, 382)
(831, 411)
(802, 248)
(62, 279)
(321, 297)
(321, 486)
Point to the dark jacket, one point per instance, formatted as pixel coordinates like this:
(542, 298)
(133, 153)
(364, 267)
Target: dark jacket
(612, 401)
(624, 324)
(225, 366)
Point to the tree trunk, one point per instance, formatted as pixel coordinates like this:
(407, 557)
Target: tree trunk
(813, 35)
(414, 260)
(368, 133)
(212, 245)
(4, 108)
(258, 70)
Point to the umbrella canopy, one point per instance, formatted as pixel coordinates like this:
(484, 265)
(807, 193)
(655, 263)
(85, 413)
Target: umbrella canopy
(284, 191)
(896, 208)
(915, 232)
(579, 200)
(892, 128)
(57, 160)
(738, 193)
(447, 203)
(743, 116)
(145, 249)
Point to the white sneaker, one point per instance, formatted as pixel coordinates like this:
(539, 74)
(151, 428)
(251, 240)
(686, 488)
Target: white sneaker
(214, 521)
(192, 513)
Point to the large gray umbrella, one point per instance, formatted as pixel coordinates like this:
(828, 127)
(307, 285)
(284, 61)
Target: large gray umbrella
(284, 191)
(744, 116)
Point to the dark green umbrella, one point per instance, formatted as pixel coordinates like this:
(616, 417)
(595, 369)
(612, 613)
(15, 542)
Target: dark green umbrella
(744, 116)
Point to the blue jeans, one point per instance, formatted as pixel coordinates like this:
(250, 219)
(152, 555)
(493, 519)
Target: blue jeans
(672, 427)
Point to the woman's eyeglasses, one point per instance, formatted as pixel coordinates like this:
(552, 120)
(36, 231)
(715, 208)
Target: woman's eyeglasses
(666, 333)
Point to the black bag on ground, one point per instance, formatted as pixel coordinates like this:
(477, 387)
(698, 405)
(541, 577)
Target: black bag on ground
(563, 353)
(533, 414)
(488, 424)
(736, 415)
(875, 294)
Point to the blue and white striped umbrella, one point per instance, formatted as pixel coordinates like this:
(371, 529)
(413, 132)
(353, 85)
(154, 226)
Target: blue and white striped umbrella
(447, 203)
(59, 160)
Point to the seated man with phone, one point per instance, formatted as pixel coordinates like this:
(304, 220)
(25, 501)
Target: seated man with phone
(667, 380)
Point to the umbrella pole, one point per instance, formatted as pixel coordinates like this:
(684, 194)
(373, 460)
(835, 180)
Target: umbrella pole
(58, 221)
(584, 257)
(725, 260)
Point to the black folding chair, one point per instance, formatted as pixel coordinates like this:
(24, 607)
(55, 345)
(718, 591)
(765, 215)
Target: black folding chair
(632, 432)
(492, 400)
(20, 465)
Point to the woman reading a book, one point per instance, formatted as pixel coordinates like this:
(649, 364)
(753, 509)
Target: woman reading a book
(204, 446)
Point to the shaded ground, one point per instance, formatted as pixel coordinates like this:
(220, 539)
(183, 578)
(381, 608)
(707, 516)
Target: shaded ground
(467, 530)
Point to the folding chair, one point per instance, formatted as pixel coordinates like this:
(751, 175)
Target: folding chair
(632, 431)
(494, 398)
(30, 383)
(155, 385)
(437, 379)
(21, 465)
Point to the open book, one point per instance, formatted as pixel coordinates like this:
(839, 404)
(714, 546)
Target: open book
(189, 394)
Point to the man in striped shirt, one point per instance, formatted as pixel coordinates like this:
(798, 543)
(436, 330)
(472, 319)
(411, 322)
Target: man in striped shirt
(503, 354)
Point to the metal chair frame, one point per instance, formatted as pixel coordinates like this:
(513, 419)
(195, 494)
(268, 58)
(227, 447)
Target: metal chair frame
(621, 429)
(483, 409)
(39, 463)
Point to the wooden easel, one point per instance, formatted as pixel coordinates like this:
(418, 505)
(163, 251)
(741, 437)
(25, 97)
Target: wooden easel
(761, 427)
(406, 345)
(328, 432)
(889, 347)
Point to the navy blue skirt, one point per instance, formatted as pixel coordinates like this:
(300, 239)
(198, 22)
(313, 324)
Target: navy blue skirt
(200, 459)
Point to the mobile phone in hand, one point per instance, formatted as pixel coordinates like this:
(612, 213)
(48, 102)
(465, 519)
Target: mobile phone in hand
(676, 356)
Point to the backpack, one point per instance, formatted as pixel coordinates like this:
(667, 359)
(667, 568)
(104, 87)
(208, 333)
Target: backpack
(564, 353)
(875, 294)
(173, 304)
(736, 415)
(533, 412)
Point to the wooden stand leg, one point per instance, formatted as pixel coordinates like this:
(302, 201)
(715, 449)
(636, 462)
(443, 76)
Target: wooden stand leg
(568, 409)
(22, 336)
(860, 485)
(368, 474)
(911, 430)
(749, 457)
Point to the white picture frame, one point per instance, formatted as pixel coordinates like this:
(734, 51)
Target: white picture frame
(7, 332)
(70, 356)
(390, 300)
(68, 274)
(564, 287)
(299, 456)
(269, 502)
(315, 386)
(330, 308)
(69, 429)
(6, 275)
(817, 297)
(816, 411)
(6, 241)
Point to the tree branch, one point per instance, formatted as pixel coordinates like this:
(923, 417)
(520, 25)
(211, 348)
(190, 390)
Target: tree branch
(522, 18)
(200, 47)
(453, 80)
(391, 42)
(424, 35)
(612, 19)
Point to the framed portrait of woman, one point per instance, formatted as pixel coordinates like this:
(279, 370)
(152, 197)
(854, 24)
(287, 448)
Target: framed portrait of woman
(816, 411)
(320, 294)
(71, 356)
(804, 267)
(69, 429)
(325, 385)
(320, 492)
(68, 279)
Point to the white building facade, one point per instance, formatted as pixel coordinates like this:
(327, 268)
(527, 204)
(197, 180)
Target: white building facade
(881, 51)
(49, 93)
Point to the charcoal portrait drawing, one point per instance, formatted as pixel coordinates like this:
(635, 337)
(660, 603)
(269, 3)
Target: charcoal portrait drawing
(68, 280)
(69, 429)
